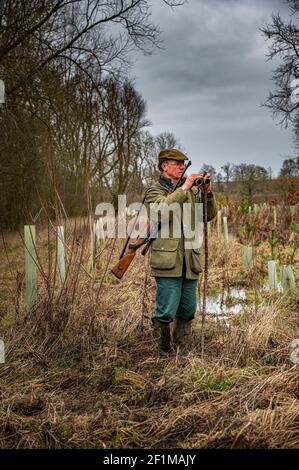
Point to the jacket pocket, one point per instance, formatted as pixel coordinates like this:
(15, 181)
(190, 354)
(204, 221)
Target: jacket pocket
(164, 253)
(195, 261)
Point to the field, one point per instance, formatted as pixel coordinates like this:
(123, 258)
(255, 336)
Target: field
(82, 369)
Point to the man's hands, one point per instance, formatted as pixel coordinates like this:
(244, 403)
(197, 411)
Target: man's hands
(190, 181)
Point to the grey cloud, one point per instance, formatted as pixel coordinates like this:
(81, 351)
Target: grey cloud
(208, 84)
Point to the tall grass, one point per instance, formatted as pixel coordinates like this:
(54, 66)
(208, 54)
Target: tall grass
(82, 369)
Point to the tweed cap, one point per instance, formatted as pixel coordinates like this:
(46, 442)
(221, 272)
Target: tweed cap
(172, 154)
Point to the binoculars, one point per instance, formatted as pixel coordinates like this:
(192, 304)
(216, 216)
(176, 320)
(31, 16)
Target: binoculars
(201, 181)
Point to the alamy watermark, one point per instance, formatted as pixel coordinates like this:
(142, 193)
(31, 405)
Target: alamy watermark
(2, 352)
(175, 221)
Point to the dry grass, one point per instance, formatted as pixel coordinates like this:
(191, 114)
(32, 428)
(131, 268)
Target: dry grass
(82, 368)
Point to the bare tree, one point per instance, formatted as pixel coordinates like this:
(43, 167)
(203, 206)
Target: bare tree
(284, 38)
(249, 177)
(210, 170)
(57, 59)
(166, 140)
(228, 170)
(290, 167)
(89, 35)
(127, 113)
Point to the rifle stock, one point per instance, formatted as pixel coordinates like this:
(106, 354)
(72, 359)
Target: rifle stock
(126, 259)
(121, 267)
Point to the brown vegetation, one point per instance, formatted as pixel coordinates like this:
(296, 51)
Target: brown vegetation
(82, 369)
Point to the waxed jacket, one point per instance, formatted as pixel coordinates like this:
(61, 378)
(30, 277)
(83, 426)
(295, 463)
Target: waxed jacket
(168, 253)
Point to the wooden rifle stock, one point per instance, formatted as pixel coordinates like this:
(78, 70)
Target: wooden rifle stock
(129, 251)
(126, 259)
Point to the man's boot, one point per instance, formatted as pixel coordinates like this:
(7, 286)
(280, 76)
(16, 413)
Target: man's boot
(182, 334)
(161, 332)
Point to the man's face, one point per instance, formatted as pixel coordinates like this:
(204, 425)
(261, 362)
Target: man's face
(173, 169)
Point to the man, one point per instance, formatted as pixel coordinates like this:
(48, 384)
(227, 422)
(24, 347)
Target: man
(175, 267)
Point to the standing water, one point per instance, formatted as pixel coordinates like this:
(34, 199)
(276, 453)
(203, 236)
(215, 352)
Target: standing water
(226, 303)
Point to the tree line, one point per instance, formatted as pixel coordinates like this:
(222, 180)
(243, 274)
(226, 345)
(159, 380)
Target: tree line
(73, 126)
(254, 182)
(74, 130)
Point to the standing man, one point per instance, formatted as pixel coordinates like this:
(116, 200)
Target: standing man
(175, 267)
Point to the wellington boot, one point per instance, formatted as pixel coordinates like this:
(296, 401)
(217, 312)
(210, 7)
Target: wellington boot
(161, 332)
(182, 334)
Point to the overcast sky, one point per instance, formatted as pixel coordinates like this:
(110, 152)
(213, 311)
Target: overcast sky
(208, 83)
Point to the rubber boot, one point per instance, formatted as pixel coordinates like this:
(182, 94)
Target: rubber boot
(161, 332)
(182, 334)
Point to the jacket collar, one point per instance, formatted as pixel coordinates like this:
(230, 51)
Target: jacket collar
(166, 183)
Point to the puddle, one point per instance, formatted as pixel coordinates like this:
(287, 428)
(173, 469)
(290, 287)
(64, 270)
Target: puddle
(227, 303)
(231, 302)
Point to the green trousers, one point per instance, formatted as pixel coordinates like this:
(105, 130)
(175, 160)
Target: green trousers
(176, 297)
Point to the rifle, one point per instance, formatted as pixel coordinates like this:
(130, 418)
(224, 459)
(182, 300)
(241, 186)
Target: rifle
(129, 250)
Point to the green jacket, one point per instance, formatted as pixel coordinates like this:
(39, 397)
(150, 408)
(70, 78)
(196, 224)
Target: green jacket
(166, 256)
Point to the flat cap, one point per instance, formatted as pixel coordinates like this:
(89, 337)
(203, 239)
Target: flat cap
(172, 154)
